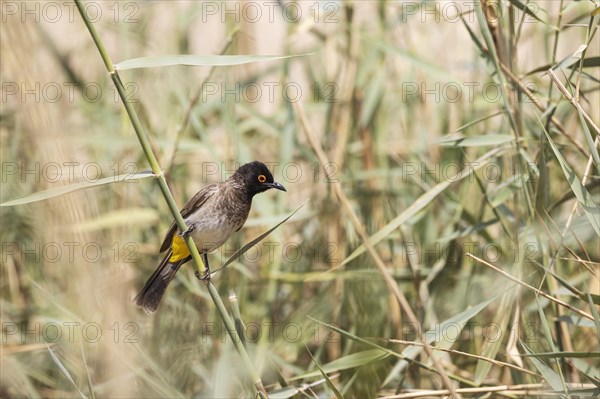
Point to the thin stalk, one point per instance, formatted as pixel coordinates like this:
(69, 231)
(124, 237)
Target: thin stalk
(489, 41)
(239, 346)
(162, 183)
(555, 49)
(525, 390)
(237, 317)
(461, 353)
(99, 44)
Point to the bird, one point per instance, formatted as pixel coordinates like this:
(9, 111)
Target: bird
(212, 215)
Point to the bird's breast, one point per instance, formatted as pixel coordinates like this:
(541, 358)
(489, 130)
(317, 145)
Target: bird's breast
(216, 221)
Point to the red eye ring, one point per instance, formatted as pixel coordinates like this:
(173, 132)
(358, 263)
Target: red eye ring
(262, 178)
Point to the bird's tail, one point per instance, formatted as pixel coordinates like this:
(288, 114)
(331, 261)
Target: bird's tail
(149, 297)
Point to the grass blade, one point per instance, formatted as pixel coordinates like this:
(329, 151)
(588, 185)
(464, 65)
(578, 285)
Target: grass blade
(87, 371)
(475, 141)
(586, 369)
(560, 355)
(491, 347)
(549, 375)
(64, 370)
(196, 60)
(589, 140)
(330, 383)
(69, 188)
(525, 8)
(258, 239)
(589, 205)
(347, 362)
(571, 60)
(594, 312)
(589, 62)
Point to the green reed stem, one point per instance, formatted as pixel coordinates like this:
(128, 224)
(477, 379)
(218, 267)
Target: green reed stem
(162, 183)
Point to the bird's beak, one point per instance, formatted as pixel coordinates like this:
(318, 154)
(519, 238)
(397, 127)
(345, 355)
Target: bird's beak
(275, 185)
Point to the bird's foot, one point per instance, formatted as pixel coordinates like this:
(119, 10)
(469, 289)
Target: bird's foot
(205, 277)
(187, 232)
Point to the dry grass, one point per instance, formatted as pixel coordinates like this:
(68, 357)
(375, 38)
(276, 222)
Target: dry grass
(435, 156)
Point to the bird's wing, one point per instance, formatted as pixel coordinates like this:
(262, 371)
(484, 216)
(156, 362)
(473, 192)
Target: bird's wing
(193, 204)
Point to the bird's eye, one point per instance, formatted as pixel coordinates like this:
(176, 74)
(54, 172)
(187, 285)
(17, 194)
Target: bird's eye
(262, 178)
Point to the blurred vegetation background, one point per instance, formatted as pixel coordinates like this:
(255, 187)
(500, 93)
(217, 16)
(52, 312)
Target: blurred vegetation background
(402, 96)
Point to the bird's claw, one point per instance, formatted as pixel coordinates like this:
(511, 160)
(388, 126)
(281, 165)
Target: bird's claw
(187, 232)
(205, 277)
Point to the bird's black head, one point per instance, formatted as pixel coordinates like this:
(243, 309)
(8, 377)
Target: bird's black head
(256, 178)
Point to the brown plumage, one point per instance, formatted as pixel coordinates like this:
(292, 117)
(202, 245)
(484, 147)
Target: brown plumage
(212, 216)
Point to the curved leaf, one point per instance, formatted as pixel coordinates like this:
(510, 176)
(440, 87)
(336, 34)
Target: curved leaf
(196, 60)
(69, 188)
(351, 361)
(549, 375)
(476, 141)
(255, 241)
(589, 62)
(64, 370)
